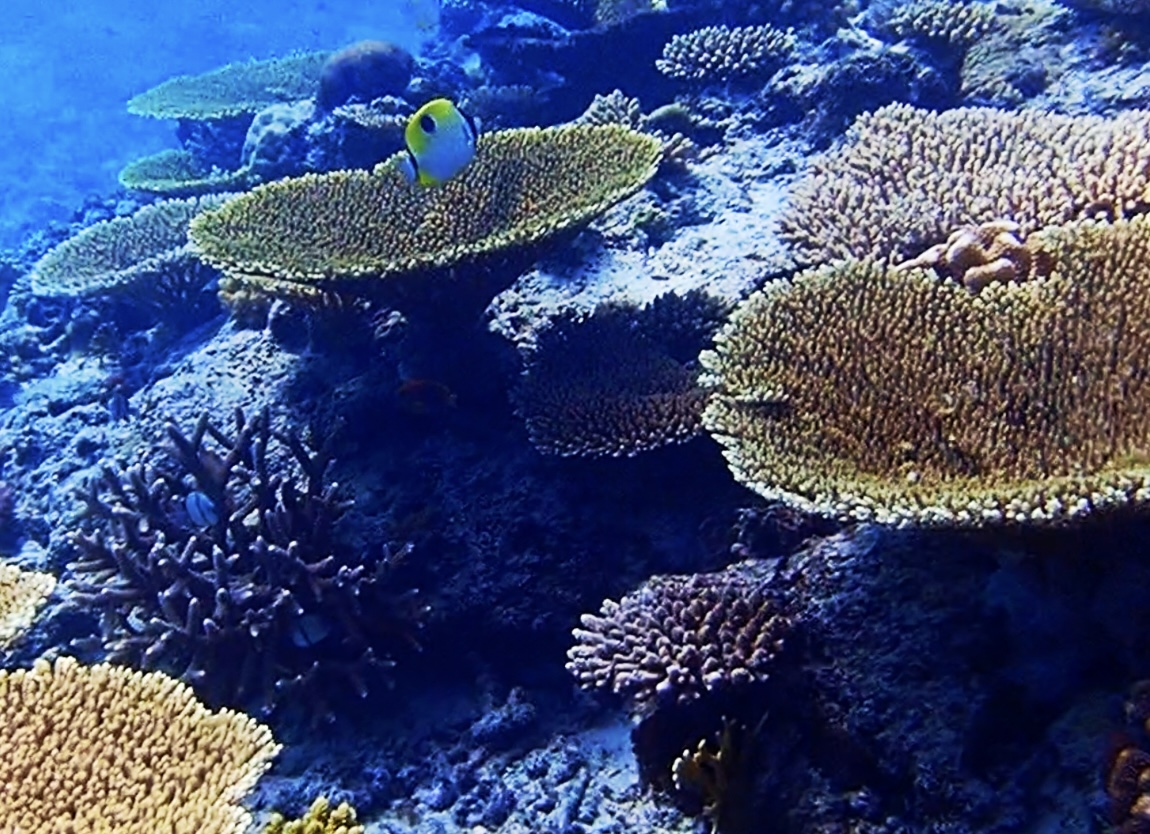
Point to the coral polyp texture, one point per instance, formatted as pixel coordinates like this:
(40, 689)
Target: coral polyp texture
(105, 748)
(601, 389)
(906, 178)
(957, 23)
(22, 595)
(863, 392)
(720, 53)
(321, 818)
(178, 173)
(146, 252)
(233, 90)
(325, 232)
(680, 637)
(212, 563)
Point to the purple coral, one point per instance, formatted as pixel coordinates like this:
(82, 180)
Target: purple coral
(678, 637)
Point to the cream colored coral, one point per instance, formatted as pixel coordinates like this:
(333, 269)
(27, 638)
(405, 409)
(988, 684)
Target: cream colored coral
(320, 818)
(906, 178)
(108, 749)
(22, 593)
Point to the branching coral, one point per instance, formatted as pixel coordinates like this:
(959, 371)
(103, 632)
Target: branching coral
(302, 237)
(214, 565)
(320, 818)
(600, 388)
(858, 391)
(962, 23)
(104, 748)
(680, 637)
(22, 594)
(145, 254)
(233, 90)
(720, 53)
(178, 173)
(906, 178)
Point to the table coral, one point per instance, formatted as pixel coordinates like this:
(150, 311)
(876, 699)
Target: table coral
(145, 254)
(22, 594)
(906, 178)
(857, 391)
(305, 236)
(213, 564)
(179, 173)
(105, 748)
(233, 90)
(601, 389)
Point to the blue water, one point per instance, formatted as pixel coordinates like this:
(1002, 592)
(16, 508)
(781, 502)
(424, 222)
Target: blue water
(67, 68)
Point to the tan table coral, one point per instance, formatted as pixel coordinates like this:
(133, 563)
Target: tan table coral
(862, 392)
(106, 748)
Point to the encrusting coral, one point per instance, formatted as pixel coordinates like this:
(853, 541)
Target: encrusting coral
(906, 178)
(720, 53)
(316, 234)
(145, 253)
(179, 173)
(677, 638)
(859, 391)
(233, 90)
(600, 388)
(212, 564)
(320, 818)
(22, 594)
(105, 748)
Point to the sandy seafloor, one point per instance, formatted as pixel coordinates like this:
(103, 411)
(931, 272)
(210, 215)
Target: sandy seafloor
(943, 681)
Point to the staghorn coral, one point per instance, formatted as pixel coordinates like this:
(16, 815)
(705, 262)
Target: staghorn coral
(320, 818)
(22, 594)
(233, 90)
(145, 254)
(319, 233)
(678, 638)
(906, 178)
(104, 748)
(208, 563)
(862, 392)
(721, 53)
(179, 173)
(600, 388)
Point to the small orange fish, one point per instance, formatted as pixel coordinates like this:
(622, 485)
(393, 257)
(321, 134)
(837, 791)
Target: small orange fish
(425, 397)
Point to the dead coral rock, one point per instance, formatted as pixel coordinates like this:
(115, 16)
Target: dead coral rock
(362, 72)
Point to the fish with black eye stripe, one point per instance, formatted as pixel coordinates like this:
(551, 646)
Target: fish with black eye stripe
(440, 143)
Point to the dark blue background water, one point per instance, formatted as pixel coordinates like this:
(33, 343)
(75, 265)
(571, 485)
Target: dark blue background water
(68, 67)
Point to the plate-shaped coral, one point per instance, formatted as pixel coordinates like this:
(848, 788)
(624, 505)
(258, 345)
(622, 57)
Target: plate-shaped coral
(860, 391)
(178, 173)
(312, 233)
(234, 89)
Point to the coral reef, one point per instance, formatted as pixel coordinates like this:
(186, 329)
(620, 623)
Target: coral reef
(906, 178)
(614, 12)
(212, 565)
(319, 233)
(276, 144)
(180, 173)
(963, 23)
(975, 256)
(677, 638)
(320, 818)
(845, 393)
(22, 595)
(720, 53)
(233, 90)
(600, 388)
(85, 748)
(362, 72)
(145, 254)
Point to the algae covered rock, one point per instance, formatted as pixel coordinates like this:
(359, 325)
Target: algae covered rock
(327, 232)
(864, 392)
